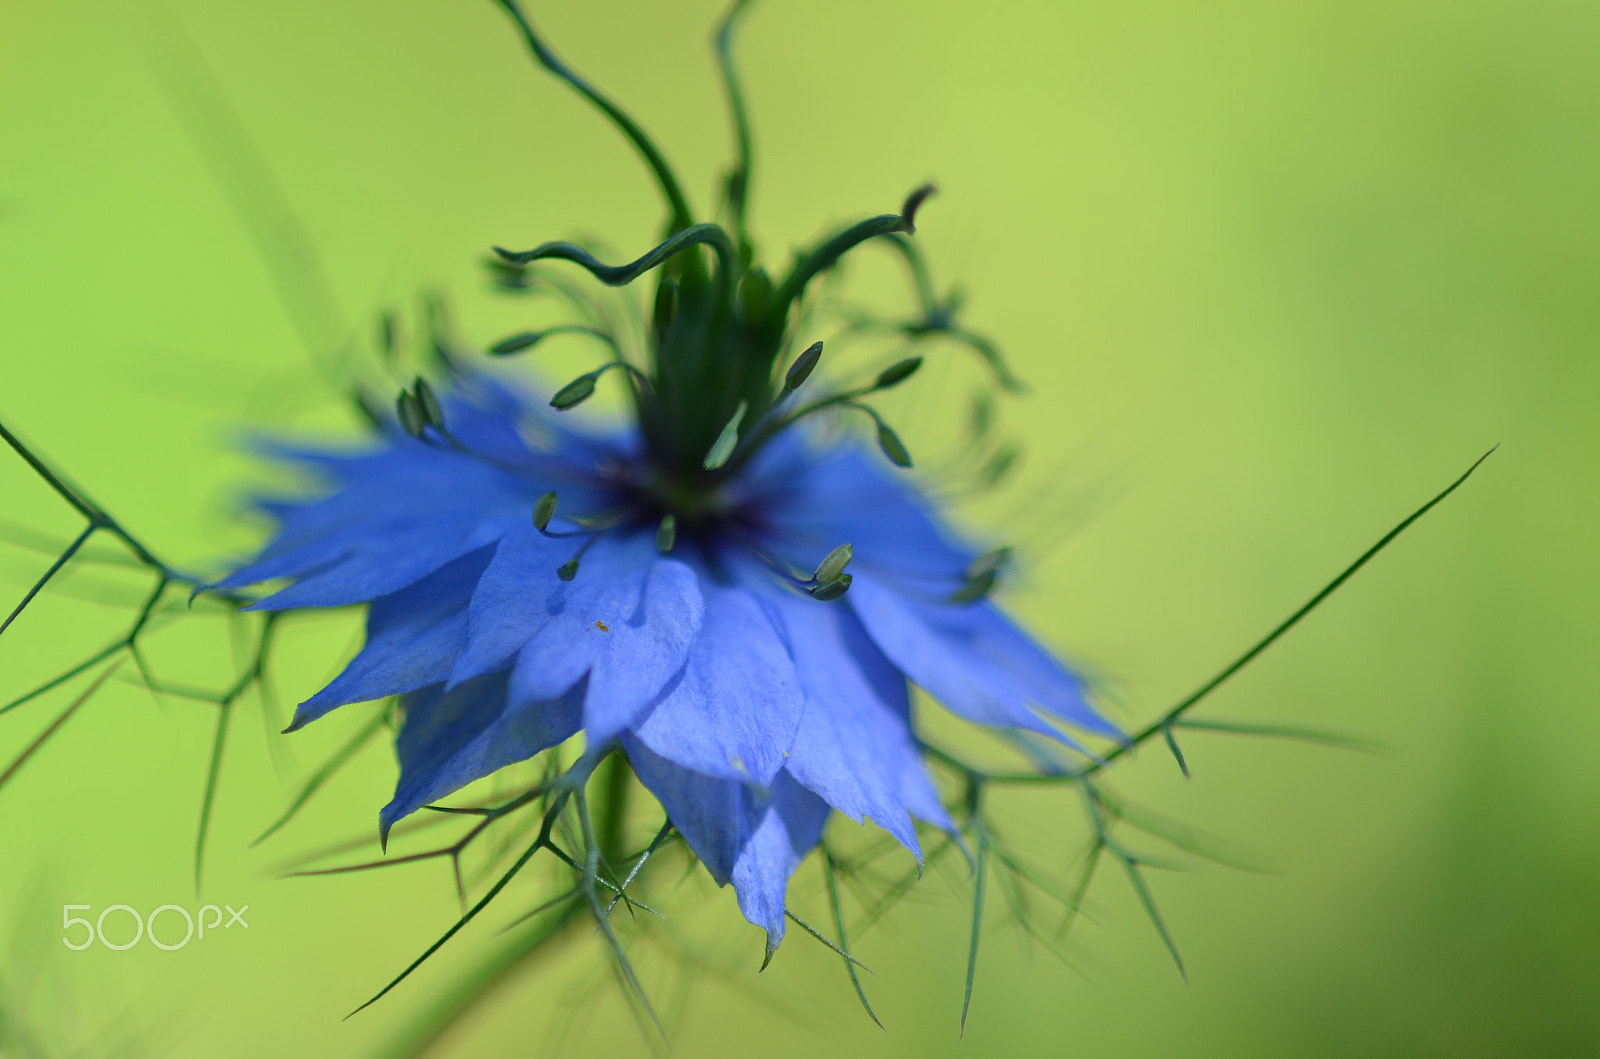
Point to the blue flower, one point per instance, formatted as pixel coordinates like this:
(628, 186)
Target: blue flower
(736, 605)
(751, 708)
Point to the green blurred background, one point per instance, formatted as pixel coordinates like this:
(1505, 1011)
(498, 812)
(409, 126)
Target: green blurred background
(1276, 272)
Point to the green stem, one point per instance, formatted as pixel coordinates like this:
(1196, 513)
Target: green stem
(614, 809)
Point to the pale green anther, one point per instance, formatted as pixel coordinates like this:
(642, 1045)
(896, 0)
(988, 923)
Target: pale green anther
(432, 414)
(833, 564)
(976, 589)
(410, 414)
(893, 447)
(575, 392)
(895, 374)
(802, 367)
(666, 534)
(544, 511)
(833, 589)
(723, 447)
(516, 343)
(567, 570)
(989, 562)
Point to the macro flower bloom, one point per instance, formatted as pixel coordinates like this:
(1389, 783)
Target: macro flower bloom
(751, 699)
(736, 604)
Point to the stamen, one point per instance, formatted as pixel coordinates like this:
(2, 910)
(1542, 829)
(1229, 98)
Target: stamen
(981, 575)
(569, 569)
(544, 510)
(830, 581)
(666, 534)
(525, 340)
(897, 373)
(722, 448)
(888, 440)
(409, 411)
(832, 590)
(833, 564)
(990, 561)
(769, 424)
(581, 389)
(432, 414)
(976, 589)
(802, 368)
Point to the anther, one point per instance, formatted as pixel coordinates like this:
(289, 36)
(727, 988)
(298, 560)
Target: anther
(802, 367)
(989, 562)
(575, 392)
(544, 510)
(723, 447)
(833, 564)
(977, 588)
(568, 570)
(666, 534)
(409, 411)
(432, 414)
(515, 343)
(833, 589)
(892, 446)
(895, 374)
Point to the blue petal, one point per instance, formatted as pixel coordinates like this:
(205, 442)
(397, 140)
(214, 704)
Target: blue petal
(791, 828)
(813, 501)
(733, 710)
(715, 816)
(974, 661)
(451, 738)
(854, 744)
(397, 520)
(627, 620)
(404, 510)
(413, 638)
(752, 841)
